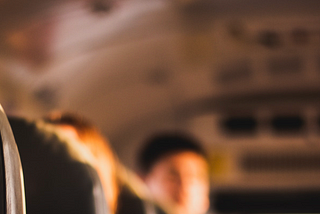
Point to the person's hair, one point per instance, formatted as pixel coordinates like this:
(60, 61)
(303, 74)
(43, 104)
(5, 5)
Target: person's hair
(104, 161)
(160, 145)
(80, 124)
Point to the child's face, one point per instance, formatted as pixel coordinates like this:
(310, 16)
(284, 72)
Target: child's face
(179, 183)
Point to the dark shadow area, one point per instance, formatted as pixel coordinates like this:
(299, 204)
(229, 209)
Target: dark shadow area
(271, 201)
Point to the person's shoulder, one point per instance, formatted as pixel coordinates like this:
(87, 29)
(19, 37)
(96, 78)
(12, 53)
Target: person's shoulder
(128, 202)
(159, 210)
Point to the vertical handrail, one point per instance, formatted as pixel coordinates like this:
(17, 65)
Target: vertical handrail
(15, 195)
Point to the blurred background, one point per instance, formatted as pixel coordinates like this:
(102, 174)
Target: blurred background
(242, 76)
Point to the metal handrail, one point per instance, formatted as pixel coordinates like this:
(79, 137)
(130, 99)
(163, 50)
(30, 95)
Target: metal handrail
(15, 195)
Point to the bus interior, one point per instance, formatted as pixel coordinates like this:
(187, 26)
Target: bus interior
(241, 76)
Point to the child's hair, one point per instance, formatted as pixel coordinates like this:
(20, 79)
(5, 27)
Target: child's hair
(163, 144)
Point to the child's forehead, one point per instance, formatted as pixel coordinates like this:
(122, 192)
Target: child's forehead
(181, 159)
